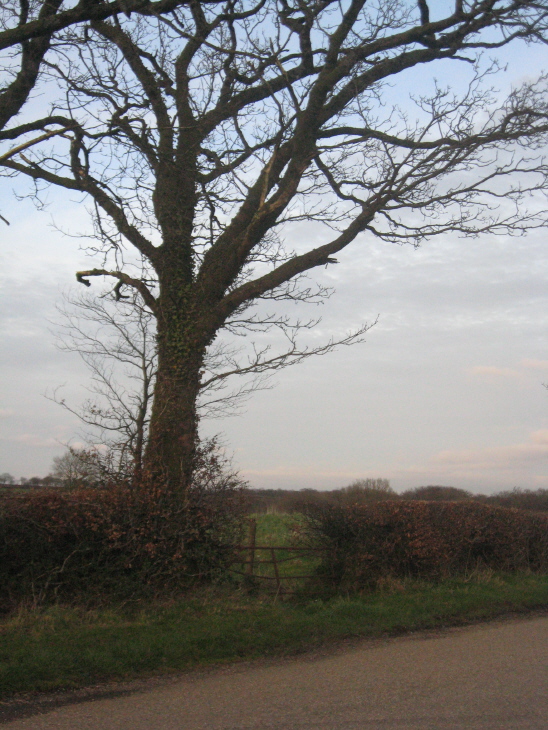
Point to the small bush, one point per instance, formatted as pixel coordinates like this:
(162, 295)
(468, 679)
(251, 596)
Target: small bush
(119, 542)
(432, 540)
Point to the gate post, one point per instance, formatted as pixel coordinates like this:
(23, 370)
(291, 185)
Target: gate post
(252, 543)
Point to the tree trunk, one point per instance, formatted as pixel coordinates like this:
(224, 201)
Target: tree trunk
(173, 432)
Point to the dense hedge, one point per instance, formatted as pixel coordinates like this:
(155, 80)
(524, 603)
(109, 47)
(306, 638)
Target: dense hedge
(432, 540)
(117, 542)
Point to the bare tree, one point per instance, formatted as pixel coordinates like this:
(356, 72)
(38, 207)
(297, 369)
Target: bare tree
(204, 136)
(117, 345)
(364, 491)
(77, 468)
(117, 342)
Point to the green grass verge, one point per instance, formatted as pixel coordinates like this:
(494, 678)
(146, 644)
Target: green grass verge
(67, 647)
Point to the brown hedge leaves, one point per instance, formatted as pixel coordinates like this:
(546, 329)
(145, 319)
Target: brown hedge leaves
(432, 540)
(113, 543)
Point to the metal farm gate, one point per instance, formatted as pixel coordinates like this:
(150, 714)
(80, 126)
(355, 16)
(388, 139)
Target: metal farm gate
(252, 557)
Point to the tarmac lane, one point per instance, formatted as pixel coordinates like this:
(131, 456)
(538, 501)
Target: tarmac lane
(491, 676)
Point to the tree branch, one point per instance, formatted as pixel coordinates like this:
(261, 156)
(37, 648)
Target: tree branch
(123, 279)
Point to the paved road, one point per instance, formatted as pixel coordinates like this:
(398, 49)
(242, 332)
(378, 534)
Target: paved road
(489, 677)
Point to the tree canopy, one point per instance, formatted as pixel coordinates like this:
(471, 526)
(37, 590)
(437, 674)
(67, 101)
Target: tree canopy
(204, 135)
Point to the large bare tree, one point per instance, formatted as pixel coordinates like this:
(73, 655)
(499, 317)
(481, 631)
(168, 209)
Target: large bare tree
(204, 136)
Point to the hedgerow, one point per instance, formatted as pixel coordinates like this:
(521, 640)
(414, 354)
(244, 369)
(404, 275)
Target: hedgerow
(431, 540)
(117, 542)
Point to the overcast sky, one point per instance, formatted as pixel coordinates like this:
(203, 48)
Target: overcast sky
(446, 390)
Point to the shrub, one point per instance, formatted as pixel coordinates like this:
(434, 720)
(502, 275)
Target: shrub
(435, 493)
(535, 500)
(118, 542)
(430, 540)
(364, 491)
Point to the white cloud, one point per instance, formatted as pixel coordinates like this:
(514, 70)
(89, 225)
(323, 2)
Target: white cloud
(33, 441)
(496, 457)
(490, 371)
(523, 370)
(6, 412)
(540, 437)
(534, 364)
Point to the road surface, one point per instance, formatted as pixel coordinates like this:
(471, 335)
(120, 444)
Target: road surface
(489, 677)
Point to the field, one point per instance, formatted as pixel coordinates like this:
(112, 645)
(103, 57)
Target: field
(66, 647)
